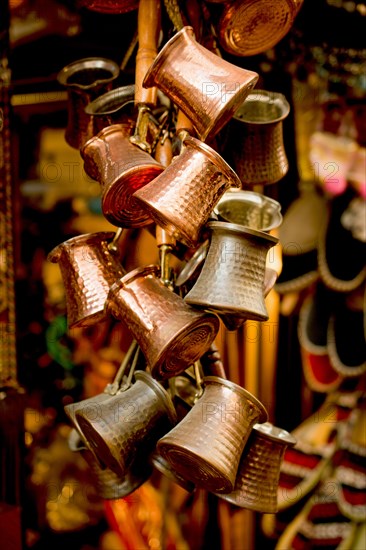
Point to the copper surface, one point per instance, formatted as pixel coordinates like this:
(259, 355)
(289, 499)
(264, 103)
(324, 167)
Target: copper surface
(231, 281)
(113, 107)
(256, 483)
(256, 138)
(207, 88)
(84, 80)
(92, 403)
(182, 198)
(109, 485)
(128, 424)
(110, 6)
(165, 468)
(88, 271)
(253, 210)
(171, 334)
(205, 447)
(250, 27)
(121, 168)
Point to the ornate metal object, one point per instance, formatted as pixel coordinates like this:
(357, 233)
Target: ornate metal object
(182, 198)
(231, 281)
(171, 334)
(206, 87)
(256, 138)
(250, 27)
(88, 270)
(128, 424)
(256, 483)
(121, 169)
(84, 80)
(206, 446)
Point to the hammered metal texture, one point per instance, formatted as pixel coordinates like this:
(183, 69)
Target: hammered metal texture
(231, 281)
(113, 107)
(165, 468)
(182, 198)
(109, 485)
(121, 168)
(129, 423)
(84, 80)
(171, 334)
(92, 403)
(206, 446)
(250, 27)
(256, 138)
(250, 209)
(207, 88)
(256, 484)
(88, 271)
(110, 6)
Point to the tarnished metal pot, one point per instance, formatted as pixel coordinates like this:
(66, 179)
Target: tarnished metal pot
(232, 279)
(129, 423)
(84, 80)
(256, 138)
(205, 447)
(256, 484)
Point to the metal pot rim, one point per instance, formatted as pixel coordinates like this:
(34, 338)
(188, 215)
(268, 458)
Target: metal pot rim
(263, 97)
(88, 63)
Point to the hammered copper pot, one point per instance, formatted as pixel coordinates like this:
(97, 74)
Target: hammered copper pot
(109, 485)
(250, 27)
(84, 80)
(232, 279)
(205, 447)
(256, 483)
(88, 269)
(255, 138)
(121, 168)
(253, 210)
(129, 424)
(182, 198)
(165, 468)
(91, 405)
(171, 334)
(113, 107)
(207, 88)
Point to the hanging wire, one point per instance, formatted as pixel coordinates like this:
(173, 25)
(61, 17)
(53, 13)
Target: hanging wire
(113, 388)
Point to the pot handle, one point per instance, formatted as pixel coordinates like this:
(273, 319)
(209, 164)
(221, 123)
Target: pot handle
(148, 25)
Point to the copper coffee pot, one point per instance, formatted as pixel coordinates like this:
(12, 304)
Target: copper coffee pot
(250, 27)
(232, 279)
(207, 88)
(128, 424)
(256, 484)
(205, 447)
(84, 80)
(172, 335)
(121, 168)
(182, 198)
(88, 269)
(256, 138)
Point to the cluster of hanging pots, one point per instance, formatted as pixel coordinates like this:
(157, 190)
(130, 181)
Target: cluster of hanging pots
(201, 431)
